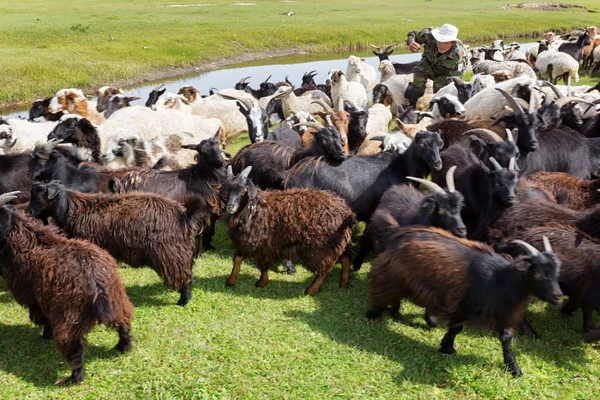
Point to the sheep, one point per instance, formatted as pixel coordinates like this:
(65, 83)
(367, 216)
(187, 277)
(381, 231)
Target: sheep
(446, 106)
(73, 101)
(104, 95)
(39, 108)
(198, 180)
(575, 193)
(575, 50)
(554, 65)
(387, 71)
(68, 285)
(595, 60)
(517, 69)
(137, 228)
(313, 225)
(463, 281)
(154, 95)
(378, 123)
(440, 208)
(342, 89)
(117, 102)
(362, 180)
(361, 72)
(292, 103)
(18, 136)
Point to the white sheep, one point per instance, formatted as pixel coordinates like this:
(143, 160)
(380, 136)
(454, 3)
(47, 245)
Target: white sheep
(378, 124)
(596, 59)
(291, 103)
(342, 89)
(361, 72)
(396, 142)
(74, 101)
(556, 64)
(516, 68)
(489, 103)
(481, 81)
(18, 136)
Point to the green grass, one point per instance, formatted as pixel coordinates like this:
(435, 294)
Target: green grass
(49, 45)
(276, 343)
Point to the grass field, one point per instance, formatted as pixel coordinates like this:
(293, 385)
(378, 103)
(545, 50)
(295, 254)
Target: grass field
(49, 45)
(276, 343)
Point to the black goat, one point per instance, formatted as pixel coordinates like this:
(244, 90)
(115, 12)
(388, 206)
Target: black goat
(463, 281)
(575, 50)
(357, 127)
(40, 108)
(408, 206)
(400, 68)
(362, 180)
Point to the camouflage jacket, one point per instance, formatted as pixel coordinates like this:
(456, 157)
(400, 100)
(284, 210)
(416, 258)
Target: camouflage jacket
(455, 59)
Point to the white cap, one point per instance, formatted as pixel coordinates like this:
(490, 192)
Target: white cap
(447, 33)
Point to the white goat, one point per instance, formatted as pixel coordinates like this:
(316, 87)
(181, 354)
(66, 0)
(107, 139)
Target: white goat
(489, 103)
(361, 72)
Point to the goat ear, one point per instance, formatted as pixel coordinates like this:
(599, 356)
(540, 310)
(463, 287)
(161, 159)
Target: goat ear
(217, 186)
(429, 205)
(53, 190)
(390, 52)
(522, 264)
(252, 192)
(376, 53)
(161, 92)
(189, 146)
(477, 145)
(86, 126)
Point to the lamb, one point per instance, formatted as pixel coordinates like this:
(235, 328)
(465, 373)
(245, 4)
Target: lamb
(137, 228)
(463, 281)
(575, 193)
(74, 101)
(68, 285)
(342, 89)
(517, 69)
(18, 136)
(554, 65)
(292, 103)
(313, 225)
(378, 123)
(104, 95)
(359, 71)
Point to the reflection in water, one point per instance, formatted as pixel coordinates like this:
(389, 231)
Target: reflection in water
(293, 66)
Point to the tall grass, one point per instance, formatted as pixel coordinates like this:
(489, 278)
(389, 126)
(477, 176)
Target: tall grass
(48, 45)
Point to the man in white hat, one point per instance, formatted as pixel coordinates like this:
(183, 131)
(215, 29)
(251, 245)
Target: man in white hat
(443, 56)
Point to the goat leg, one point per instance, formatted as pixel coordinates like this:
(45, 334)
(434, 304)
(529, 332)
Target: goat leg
(526, 328)
(570, 307)
(185, 294)
(235, 272)
(124, 344)
(366, 245)
(345, 277)
(48, 332)
(73, 352)
(395, 311)
(505, 337)
(315, 285)
(375, 312)
(264, 277)
(430, 319)
(208, 235)
(447, 344)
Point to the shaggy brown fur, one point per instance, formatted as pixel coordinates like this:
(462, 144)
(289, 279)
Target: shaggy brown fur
(586, 52)
(68, 285)
(140, 229)
(452, 130)
(573, 192)
(313, 225)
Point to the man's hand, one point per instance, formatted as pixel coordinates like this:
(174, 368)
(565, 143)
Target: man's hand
(414, 47)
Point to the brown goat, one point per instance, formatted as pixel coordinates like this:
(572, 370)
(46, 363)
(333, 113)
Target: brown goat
(571, 191)
(311, 224)
(339, 119)
(586, 52)
(68, 285)
(138, 228)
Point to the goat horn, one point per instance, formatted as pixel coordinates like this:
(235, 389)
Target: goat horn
(457, 80)
(243, 80)
(310, 124)
(8, 197)
(547, 247)
(512, 164)
(509, 135)
(382, 137)
(284, 93)
(50, 144)
(325, 106)
(229, 172)
(267, 80)
(313, 73)
(390, 47)
(532, 103)
(246, 102)
(375, 47)
(487, 133)
(532, 251)
(495, 164)
(511, 101)
(434, 187)
(450, 179)
(156, 89)
(557, 92)
(564, 100)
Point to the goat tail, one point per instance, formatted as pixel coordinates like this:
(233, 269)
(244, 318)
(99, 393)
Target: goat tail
(197, 212)
(103, 308)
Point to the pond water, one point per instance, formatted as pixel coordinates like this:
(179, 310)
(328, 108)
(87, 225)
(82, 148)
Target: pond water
(293, 66)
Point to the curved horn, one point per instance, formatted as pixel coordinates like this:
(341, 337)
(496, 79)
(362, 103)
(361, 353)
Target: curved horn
(487, 133)
(328, 119)
(51, 144)
(349, 104)
(325, 106)
(434, 187)
(509, 135)
(246, 102)
(8, 197)
(557, 92)
(382, 137)
(511, 101)
(313, 73)
(457, 80)
(390, 47)
(564, 100)
(512, 166)
(497, 166)
(243, 80)
(532, 103)
(156, 89)
(450, 179)
(310, 124)
(375, 47)
(547, 247)
(532, 251)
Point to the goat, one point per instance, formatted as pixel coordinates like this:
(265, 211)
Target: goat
(575, 50)
(361, 72)
(137, 228)
(313, 225)
(40, 108)
(575, 193)
(68, 285)
(463, 281)
(343, 89)
(155, 95)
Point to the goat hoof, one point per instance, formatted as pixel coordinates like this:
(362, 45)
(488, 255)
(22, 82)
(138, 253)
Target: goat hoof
(515, 370)
(447, 350)
(356, 267)
(230, 283)
(373, 313)
(431, 320)
(259, 283)
(592, 335)
(566, 312)
(47, 335)
(123, 347)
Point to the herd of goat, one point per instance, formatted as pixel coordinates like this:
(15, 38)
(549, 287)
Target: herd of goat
(508, 215)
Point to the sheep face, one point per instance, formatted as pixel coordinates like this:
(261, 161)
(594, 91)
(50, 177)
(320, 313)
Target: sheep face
(104, 95)
(70, 128)
(382, 95)
(428, 145)
(153, 97)
(238, 189)
(448, 106)
(44, 199)
(117, 102)
(337, 77)
(190, 93)
(7, 137)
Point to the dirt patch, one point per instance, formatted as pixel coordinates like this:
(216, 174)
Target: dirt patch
(547, 6)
